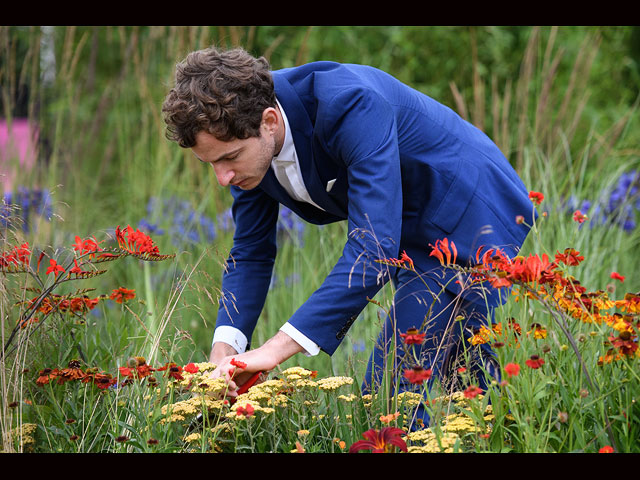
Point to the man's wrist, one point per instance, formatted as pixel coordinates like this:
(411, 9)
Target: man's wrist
(219, 350)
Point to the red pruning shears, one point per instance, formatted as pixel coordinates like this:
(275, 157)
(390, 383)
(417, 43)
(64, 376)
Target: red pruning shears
(247, 385)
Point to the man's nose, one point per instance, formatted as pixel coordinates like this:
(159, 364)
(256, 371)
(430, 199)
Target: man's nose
(224, 175)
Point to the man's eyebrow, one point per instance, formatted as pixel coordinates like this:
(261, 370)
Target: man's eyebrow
(221, 157)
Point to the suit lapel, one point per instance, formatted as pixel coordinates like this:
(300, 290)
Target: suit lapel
(302, 131)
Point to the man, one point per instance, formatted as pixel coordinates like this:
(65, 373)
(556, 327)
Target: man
(345, 142)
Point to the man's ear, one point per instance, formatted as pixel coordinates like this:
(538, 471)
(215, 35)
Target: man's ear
(271, 119)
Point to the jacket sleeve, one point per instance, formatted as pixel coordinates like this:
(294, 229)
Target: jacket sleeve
(247, 275)
(357, 127)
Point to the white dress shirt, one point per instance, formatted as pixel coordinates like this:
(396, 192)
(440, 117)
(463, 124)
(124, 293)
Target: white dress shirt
(287, 170)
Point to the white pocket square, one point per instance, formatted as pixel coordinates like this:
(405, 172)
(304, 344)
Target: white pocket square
(330, 184)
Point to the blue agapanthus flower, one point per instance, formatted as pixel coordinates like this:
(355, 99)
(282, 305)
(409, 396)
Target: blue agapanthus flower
(21, 208)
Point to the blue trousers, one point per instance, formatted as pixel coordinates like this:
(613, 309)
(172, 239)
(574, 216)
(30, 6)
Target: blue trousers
(448, 319)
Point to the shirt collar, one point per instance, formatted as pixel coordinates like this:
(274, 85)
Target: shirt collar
(287, 152)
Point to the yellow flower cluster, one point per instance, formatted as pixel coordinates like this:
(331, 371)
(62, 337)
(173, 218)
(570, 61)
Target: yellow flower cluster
(333, 383)
(187, 409)
(428, 442)
(24, 434)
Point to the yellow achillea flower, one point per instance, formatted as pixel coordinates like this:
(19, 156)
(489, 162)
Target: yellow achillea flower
(194, 437)
(333, 383)
(303, 433)
(460, 424)
(409, 399)
(185, 409)
(298, 372)
(347, 398)
(432, 443)
(24, 434)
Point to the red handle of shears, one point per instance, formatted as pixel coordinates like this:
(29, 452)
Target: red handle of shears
(247, 385)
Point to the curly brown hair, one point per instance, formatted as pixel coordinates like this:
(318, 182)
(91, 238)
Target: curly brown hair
(222, 92)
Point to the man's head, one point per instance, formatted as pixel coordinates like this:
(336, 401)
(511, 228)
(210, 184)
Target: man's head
(223, 93)
(224, 108)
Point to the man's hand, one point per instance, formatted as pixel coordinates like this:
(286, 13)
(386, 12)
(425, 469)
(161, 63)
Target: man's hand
(237, 368)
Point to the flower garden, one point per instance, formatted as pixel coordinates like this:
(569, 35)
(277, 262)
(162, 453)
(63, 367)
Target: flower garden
(107, 308)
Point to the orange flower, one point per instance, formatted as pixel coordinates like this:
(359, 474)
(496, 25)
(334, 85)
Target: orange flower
(536, 197)
(412, 337)
(191, 368)
(247, 410)
(606, 449)
(444, 249)
(570, 257)
(417, 374)
(472, 391)
(617, 276)
(54, 268)
(534, 362)
(382, 441)
(122, 294)
(512, 369)
(135, 241)
(173, 370)
(389, 418)
(579, 217)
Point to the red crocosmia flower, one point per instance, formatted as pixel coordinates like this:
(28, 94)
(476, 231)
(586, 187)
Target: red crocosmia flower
(534, 362)
(412, 336)
(536, 197)
(54, 268)
(122, 294)
(417, 374)
(405, 258)
(512, 369)
(380, 441)
(247, 410)
(606, 449)
(444, 250)
(135, 241)
(472, 391)
(617, 276)
(191, 368)
(88, 245)
(579, 217)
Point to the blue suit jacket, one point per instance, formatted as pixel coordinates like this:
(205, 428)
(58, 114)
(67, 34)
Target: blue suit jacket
(408, 171)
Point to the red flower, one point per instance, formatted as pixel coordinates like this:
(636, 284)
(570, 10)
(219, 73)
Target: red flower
(579, 217)
(512, 369)
(191, 368)
(174, 371)
(444, 249)
(405, 258)
(472, 391)
(135, 241)
(534, 362)
(536, 197)
(606, 449)
(75, 269)
(86, 246)
(412, 337)
(382, 441)
(103, 381)
(54, 268)
(617, 276)
(570, 257)
(417, 374)
(247, 410)
(238, 363)
(122, 294)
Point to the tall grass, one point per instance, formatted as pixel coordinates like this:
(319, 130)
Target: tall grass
(105, 156)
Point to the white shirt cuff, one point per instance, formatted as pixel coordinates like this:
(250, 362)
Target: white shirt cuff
(231, 336)
(311, 348)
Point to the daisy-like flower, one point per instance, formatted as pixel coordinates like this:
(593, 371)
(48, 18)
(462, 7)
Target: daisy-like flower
(579, 217)
(389, 418)
(512, 369)
(536, 197)
(413, 337)
(173, 370)
(617, 276)
(384, 440)
(534, 362)
(417, 374)
(472, 391)
(606, 449)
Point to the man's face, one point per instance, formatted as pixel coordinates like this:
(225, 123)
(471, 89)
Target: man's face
(242, 163)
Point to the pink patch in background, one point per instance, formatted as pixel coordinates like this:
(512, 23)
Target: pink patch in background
(18, 149)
